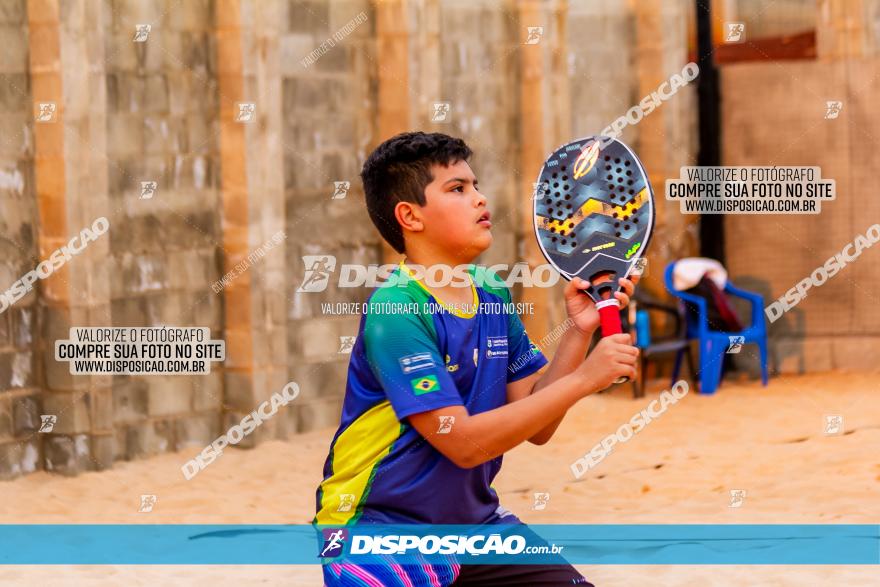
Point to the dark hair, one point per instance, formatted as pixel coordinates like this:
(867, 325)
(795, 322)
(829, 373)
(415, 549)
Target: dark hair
(399, 169)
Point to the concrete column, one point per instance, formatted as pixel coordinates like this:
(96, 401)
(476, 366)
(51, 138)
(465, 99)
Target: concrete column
(841, 29)
(70, 172)
(393, 59)
(539, 134)
(252, 196)
(665, 139)
(20, 446)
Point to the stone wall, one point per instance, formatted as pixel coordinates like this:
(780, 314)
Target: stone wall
(166, 110)
(162, 102)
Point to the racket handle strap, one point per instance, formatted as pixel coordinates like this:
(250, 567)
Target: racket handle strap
(609, 316)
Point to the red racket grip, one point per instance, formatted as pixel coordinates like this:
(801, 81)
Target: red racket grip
(609, 316)
(609, 319)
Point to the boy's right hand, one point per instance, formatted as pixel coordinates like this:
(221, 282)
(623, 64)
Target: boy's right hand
(614, 356)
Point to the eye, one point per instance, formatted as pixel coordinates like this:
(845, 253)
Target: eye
(458, 188)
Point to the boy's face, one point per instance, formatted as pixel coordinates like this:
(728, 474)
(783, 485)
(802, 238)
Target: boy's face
(455, 216)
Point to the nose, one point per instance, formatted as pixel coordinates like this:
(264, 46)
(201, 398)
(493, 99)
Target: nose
(481, 199)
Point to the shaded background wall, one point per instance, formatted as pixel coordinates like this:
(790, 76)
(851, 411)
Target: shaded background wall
(774, 113)
(165, 110)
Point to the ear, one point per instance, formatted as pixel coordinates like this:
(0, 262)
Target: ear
(409, 216)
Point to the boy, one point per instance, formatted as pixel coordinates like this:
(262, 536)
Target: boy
(434, 399)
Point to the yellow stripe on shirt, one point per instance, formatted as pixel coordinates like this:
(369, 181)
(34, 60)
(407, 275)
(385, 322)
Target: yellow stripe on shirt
(356, 453)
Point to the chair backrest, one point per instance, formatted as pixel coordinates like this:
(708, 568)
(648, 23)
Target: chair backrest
(695, 325)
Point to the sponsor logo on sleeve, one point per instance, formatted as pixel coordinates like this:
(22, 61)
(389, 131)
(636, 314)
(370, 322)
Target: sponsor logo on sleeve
(415, 362)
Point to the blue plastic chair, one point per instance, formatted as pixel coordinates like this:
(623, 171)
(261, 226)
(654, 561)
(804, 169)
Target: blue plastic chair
(713, 343)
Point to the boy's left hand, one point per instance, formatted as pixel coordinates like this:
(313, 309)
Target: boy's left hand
(580, 306)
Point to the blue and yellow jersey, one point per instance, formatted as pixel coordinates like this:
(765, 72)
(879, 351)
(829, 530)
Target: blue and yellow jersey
(414, 354)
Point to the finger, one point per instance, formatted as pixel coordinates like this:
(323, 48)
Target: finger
(626, 368)
(622, 298)
(620, 338)
(629, 350)
(575, 285)
(628, 286)
(625, 359)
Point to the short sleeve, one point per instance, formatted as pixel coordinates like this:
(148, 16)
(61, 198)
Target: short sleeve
(524, 357)
(401, 349)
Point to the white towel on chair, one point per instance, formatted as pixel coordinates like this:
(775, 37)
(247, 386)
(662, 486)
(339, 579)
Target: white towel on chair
(689, 271)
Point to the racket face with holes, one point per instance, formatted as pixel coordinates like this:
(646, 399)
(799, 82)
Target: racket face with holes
(594, 212)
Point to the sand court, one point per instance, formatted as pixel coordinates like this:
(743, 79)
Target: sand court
(680, 469)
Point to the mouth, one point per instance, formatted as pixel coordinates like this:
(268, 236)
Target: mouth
(483, 220)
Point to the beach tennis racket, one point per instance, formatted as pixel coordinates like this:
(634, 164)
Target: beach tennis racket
(594, 214)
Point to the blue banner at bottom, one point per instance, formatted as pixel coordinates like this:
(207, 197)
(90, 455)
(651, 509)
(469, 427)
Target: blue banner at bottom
(690, 544)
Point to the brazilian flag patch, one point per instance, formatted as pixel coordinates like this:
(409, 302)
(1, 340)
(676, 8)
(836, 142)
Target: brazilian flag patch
(423, 385)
